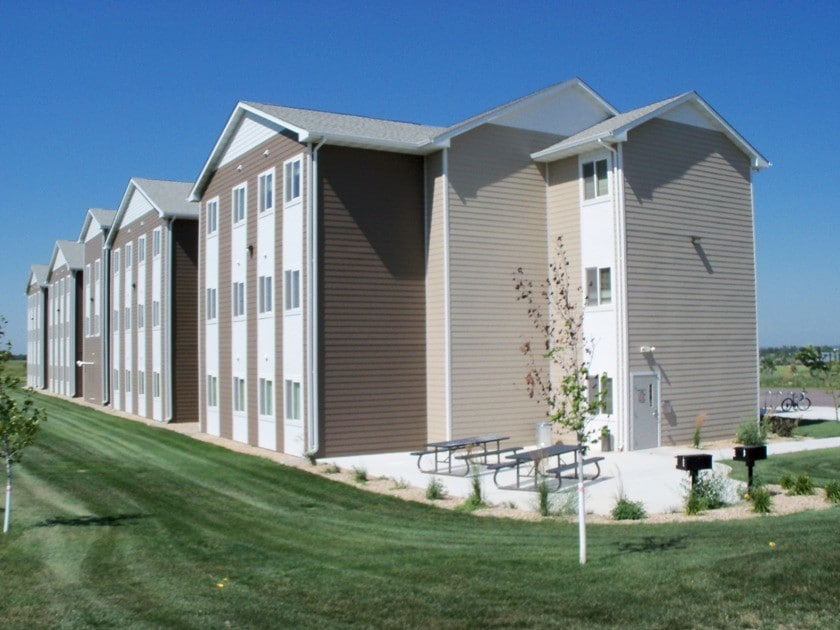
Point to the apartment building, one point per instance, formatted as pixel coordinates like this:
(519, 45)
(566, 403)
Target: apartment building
(36, 327)
(64, 329)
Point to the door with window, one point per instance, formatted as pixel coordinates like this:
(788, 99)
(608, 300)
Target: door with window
(645, 407)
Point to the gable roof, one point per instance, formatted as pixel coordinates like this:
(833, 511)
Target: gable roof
(103, 218)
(312, 126)
(168, 198)
(72, 251)
(615, 130)
(38, 274)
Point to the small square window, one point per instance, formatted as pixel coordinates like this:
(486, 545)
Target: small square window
(595, 179)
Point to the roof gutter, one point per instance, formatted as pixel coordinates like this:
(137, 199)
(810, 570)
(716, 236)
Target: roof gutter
(170, 318)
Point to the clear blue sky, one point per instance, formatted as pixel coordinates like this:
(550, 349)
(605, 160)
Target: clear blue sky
(92, 94)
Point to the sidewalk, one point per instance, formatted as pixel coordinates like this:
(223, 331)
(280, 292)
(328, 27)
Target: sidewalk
(649, 476)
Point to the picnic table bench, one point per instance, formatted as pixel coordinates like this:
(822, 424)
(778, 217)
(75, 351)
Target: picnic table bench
(526, 463)
(477, 447)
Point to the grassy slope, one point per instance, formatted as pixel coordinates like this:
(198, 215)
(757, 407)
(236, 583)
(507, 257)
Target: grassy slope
(120, 524)
(822, 466)
(818, 429)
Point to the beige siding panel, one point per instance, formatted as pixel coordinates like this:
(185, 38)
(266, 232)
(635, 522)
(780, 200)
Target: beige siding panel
(498, 222)
(92, 353)
(696, 304)
(373, 327)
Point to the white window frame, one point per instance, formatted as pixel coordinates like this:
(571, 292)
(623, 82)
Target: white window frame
(141, 316)
(127, 381)
(265, 294)
(238, 297)
(141, 383)
(211, 303)
(127, 318)
(266, 390)
(240, 394)
(266, 193)
(116, 380)
(212, 216)
(212, 390)
(594, 287)
(115, 322)
(239, 204)
(156, 242)
(597, 181)
(156, 384)
(141, 250)
(116, 258)
(129, 251)
(598, 383)
(291, 289)
(292, 399)
(292, 180)
(155, 313)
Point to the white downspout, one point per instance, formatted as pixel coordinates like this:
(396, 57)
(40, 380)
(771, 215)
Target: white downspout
(447, 306)
(313, 425)
(757, 404)
(168, 270)
(621, 395)
(105, 327)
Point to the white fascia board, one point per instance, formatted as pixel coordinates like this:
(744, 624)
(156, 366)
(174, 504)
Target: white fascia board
(392, 146)
(576, 148)
(126, 199)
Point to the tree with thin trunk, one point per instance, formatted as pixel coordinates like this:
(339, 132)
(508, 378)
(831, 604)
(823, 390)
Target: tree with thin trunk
(19, 420)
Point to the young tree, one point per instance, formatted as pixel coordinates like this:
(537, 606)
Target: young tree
(827, 371)
(19, 420)
(558, 374)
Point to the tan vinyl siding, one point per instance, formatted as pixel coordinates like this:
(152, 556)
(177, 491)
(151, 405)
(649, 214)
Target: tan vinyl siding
(696, 304)
(435, 300)
(373, 354)
(92, 345)
(497, 199)
(279, 148)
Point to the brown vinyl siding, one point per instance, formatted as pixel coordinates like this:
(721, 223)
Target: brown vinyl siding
(497, 199)
(435, 300)
(372, 296)
(280, 148)
(696, 304)
(184, 323)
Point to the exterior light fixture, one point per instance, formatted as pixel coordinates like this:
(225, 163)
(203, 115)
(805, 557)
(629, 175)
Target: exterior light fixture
(647, 349)
(696, 240)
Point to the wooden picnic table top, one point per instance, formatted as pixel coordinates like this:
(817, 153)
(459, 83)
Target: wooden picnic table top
(467, 441)
(543, 452)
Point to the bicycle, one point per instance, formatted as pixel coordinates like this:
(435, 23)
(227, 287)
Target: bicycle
(798, 401)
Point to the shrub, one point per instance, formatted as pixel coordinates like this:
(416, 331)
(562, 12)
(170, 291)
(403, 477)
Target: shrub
(475, 500)
(399, 484)
(751, 433)
(761, 501)
(832, 491)
(434, 491)
(695, 503)
(803, 486)
(311, 456)
(783, 427)
(787, 482)
(360, 474)
(542, 494)
(709, 492)
(698, 426)
(627, 510)
(332, 469)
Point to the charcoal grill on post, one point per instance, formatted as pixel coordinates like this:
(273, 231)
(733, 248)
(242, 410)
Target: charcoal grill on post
(750, 455)
(694, 464)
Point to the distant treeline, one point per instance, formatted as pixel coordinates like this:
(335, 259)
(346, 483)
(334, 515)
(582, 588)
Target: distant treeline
(786, 355)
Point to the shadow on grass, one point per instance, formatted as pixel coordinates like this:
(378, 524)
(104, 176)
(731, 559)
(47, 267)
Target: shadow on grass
(91, 521)
(650, 544)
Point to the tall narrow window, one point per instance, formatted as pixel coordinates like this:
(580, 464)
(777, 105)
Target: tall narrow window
(595, 179)
(266, 397)
(238, 299)
(601, 386)
(128, 381)
(293, 400)
(291, 282)
(238, 394)
(155, 313)
(141, 249)
(129, 252)
(156, 242)
(212, 212)
(265, 294)
(212, 391)
(127, 321)
(211, 303)
(156, 384)
(266, 191)
(116, 259)
(141, 316)
(116, 320)
(141, 383)
(116, 380)
(598, 286)
(291, 179)
(238, 202)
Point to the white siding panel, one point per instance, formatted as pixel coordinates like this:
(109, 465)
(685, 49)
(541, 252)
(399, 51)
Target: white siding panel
(248, 135)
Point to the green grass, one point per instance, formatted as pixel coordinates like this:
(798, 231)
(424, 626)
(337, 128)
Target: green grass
(822, 466)
(122, 525)
(785, 379)
(818, 428)
(17, 367)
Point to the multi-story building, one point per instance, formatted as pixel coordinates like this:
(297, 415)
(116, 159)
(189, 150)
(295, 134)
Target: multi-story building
(152, 284)
(36, 327)
(64, 330)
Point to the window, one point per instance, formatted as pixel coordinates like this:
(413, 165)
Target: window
(156, 242)
(266, 397)
(238, 394)
(141, 249)
(238, 299)
(129, 251)
(116, 322)
(141, 383)
(598, 286)
(116, 261)
(211, 303)
(127, 320)
(291, 281)
(238, 204)
(603, 386)
(156, 384)
(293, 400)
(96, 269)
(266, 191)
(265, 294)
(212, 391)
(212, 216)
(595, 179)
(155, 313)
(116, 380)
(141, 316)
(291, 179)
(128, 381)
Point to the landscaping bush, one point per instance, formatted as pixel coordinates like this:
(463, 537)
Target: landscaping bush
(760, 499)
(783, 427)
(751, 433)
(710, 492)
(360, 474)
(803, 486)
(434, 491)
(832, 491)
(542, 494)
(627, 510)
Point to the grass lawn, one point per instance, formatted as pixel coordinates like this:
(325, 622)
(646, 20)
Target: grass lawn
(120, 524)
(822, 466)
(17, 367)
(818, 428)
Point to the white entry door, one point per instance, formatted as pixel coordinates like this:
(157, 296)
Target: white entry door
(645, 405)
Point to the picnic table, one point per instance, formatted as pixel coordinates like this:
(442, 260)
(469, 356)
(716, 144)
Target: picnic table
(477, 450)
(527, 463)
